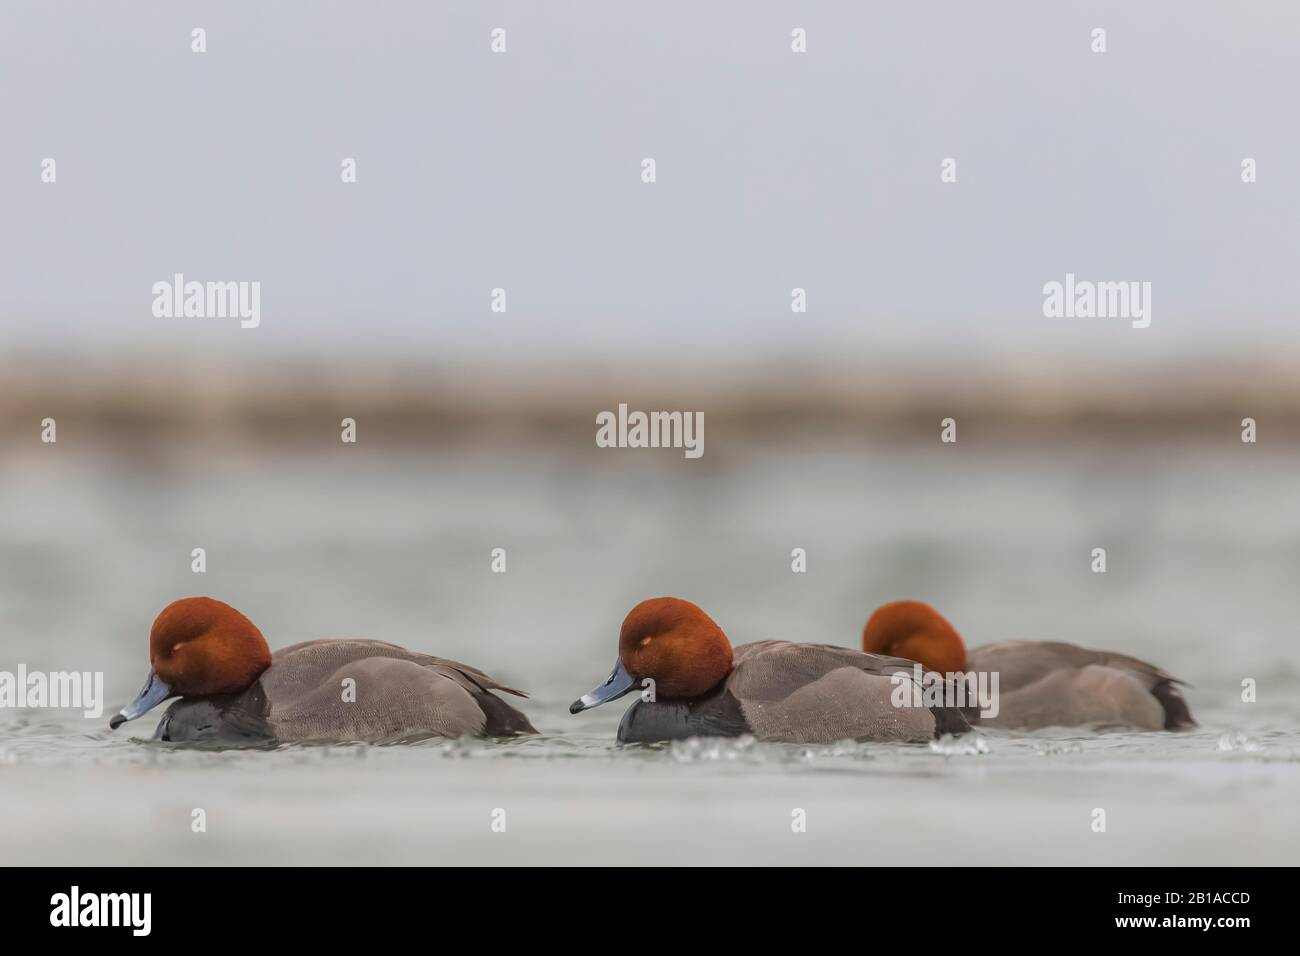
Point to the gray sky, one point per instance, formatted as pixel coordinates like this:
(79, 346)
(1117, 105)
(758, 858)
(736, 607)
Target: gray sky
(775, 170)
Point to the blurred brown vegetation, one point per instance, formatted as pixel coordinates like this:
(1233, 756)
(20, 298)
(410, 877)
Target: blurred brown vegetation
(299, 406)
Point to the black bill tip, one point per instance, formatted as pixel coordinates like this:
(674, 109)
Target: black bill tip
(577, 707)
(116, 721)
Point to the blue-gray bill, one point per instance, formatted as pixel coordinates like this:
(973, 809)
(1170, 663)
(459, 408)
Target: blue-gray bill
(616, 685)
(151, 695)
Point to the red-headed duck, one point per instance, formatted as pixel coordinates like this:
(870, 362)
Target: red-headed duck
(1040, 683)
(775, 690)
(233, 689)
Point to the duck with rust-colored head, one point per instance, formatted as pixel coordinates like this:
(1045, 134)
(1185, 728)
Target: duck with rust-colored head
(1040, 683)
(694, 684)
(232, 689)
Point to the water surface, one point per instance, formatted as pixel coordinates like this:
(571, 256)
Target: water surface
(1203, 550)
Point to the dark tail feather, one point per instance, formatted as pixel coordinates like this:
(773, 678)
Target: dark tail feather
(953, 720)
(1177, 714)
(502, 720)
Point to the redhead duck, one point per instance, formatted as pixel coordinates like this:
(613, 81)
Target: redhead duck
(1041, 683)
(775, 690)
(233, 689)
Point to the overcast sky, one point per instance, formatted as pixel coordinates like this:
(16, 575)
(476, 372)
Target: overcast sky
(522, 170)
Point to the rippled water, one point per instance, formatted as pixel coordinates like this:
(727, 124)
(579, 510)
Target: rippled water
(1203, 556)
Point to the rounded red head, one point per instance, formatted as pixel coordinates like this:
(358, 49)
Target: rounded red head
(198, 647)
(201, 646)
(671, 641)
(916, 631)
(675, 643)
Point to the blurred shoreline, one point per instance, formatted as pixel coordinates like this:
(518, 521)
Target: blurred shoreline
(299, 405)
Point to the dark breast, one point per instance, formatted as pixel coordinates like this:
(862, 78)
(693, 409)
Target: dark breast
(231, 720)
(716, 715)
